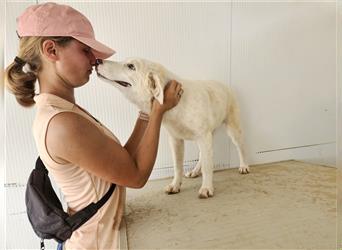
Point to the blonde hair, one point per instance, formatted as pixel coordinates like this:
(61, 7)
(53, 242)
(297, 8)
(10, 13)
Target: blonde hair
(22, 84)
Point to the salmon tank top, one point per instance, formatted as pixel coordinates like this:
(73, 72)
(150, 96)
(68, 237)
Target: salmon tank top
(79, 187)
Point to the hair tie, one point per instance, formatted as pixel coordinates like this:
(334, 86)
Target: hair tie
(26, 67)
(19, 61)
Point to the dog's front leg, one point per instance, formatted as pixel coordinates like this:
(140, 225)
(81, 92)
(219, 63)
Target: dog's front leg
(177, 148)
(207, 165)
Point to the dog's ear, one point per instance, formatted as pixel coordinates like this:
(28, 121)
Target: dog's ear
(155, 86)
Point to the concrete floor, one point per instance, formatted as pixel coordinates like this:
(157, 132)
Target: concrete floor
(283, 205)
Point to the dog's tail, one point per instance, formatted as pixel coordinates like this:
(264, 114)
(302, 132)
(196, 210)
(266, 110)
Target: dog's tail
(233, 112)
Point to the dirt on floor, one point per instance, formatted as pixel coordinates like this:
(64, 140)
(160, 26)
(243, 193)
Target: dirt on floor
(283, 205)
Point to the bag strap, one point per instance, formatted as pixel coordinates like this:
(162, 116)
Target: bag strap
(40, 166)
(79, 218)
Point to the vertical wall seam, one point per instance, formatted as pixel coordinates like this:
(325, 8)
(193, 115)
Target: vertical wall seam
(338, 160)
(230, 70)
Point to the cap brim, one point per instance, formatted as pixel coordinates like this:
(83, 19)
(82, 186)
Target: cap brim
(100, 50)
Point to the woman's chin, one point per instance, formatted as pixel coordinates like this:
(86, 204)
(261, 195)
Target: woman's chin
(81, 83)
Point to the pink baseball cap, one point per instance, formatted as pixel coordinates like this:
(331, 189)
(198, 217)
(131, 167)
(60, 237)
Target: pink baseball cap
(51, 19)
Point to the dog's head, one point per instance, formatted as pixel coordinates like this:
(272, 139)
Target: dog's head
(138, 79)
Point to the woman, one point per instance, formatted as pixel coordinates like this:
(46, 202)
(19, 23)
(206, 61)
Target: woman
(58, 48)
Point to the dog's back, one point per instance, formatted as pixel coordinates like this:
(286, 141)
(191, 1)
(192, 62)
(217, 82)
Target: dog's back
(203, 107)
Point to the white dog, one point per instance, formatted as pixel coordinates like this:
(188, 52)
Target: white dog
(204, 106)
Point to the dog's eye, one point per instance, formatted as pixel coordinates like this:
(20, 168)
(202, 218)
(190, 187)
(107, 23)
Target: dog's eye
(131, 66)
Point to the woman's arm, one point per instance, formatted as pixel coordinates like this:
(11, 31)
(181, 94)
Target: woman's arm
(135, 138)
(73, 138)
(146, 151)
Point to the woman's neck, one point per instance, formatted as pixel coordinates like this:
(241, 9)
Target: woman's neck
(55, 87)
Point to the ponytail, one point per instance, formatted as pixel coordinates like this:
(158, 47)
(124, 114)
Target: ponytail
(21, 84)
(21, 75)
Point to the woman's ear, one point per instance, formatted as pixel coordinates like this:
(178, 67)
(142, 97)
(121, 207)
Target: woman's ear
(155, 86)
(49, 50)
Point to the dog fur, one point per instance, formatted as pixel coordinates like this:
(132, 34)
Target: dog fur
(203, 107)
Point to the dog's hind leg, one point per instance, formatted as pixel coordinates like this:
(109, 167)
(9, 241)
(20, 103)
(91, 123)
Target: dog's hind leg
(177, 148)
(196, 171)
(234, 131)
(207, 165)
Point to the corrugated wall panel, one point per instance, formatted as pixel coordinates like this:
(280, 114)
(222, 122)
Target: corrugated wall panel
(2, 128)
(20, 148)
(284, 71)
(339, 124)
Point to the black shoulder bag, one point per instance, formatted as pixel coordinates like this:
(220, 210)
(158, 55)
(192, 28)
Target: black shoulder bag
(45, 211)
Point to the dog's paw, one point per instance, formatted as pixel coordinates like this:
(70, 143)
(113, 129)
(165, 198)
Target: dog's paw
(192, 174)
(172, 189)
(244, 169)
(205, 192)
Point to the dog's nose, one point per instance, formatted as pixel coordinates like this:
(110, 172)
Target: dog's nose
(98, 62)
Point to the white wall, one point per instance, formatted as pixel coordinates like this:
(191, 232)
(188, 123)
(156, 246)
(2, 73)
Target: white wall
(2, 128)
(339, 126)
(20, 149)
(283, 68)
(278, 57)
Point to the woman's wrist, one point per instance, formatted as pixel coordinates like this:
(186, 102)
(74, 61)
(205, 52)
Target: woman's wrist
(157, 111)
(157, 108)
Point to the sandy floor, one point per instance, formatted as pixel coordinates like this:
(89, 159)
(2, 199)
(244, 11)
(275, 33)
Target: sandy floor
(284, 205)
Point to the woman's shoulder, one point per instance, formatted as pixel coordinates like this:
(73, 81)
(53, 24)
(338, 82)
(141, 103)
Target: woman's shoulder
(68, 132)
(70, 125)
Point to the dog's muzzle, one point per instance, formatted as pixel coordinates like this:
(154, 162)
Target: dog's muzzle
(122, 83)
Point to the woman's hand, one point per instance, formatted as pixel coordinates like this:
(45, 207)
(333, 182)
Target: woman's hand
(172, 93)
